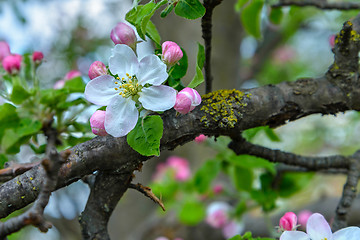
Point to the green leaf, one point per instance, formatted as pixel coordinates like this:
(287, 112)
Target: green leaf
(206, 174)
(175, 83)
(8, 117)
(53, 97)
(14, 138)
(153, 33)
(239, 4)
(75, 85)
(190, 9)
(192, 213)
(179, 70)
(242, 178)
(167, 10)
(19, 94)
(251, 17)
(276, 15)
(66, 105)
(291, 183)
(200, 56)
(271, 134)
(140, 16)
(145, 137)
(199, 77)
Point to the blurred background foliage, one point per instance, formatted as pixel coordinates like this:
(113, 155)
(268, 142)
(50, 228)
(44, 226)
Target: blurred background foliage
(289, 43)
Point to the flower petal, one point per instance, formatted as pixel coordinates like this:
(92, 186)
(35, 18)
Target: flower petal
(123, 60)
(157, 98)
(100, 90)
(318, 228)
(294, 235)
(349, 233)
(152, 70)
(121, 116)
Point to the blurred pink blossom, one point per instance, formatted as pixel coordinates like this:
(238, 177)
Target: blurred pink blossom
(303, 217)
(4, 50)
(284, 54)
(201, 138)
(217, 214)
(218, 188)
(177, 165)
(233, 228)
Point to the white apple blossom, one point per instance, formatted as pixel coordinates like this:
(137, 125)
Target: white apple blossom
(317, 228)
(137, 86)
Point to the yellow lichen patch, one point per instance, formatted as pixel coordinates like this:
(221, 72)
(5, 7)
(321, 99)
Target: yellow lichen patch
(220, 106)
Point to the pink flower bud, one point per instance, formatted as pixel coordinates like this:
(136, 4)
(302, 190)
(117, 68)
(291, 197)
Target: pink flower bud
(72, 74)
(186, 100)
(37, 57)
(171, 53)
(332, 40)
(97, 69)
(201, 138)
(124, 34)
(97, 122)
(217, 214)
(12, 63)
(4, 50)
(288, 222)
(304, 216)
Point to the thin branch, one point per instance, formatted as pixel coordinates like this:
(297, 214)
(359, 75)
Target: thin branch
(34, 216)
(206, 24)
(349, 193)
(148, 193)
(241, 146)
(322, 4)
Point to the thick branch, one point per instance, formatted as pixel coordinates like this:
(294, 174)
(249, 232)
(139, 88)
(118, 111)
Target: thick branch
(105, 194)
(322, 4)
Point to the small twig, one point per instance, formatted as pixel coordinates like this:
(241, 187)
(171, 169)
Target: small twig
(241, 146)
(206, 25)
(15, 169)
(349, 193)
(148, 193)
(319, 4)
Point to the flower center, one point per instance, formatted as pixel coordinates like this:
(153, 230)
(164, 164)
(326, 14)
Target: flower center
(128, 87)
